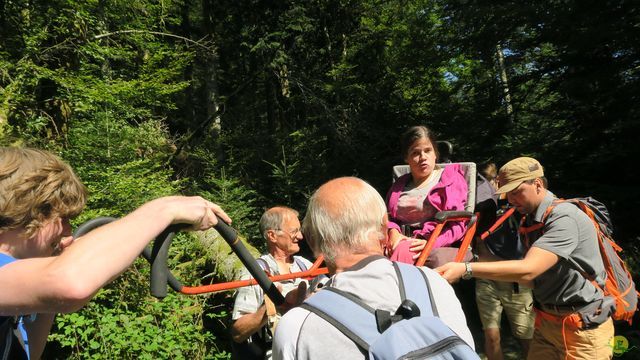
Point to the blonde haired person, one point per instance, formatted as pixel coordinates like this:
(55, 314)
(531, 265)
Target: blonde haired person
(43, 270)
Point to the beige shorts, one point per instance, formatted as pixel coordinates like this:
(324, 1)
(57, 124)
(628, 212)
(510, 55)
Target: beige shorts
(552, 341)
(494, 296)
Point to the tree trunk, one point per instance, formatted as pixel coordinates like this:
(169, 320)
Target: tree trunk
(505, 83)
(211, 83)
(227, 265)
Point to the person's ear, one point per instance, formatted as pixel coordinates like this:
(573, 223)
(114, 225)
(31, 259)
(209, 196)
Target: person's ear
(384, 241)
(271, 235)
(539, 187)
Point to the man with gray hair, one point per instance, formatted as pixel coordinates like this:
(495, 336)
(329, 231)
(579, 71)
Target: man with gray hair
(346, 222)
(254, 315)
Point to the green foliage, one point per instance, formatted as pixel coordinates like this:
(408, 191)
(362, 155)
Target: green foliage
(103, 332)
(253, 104)
(283, 176)
(123, 321)
(238, 199)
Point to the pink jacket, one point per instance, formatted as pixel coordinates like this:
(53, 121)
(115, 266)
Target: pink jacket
(450, 193)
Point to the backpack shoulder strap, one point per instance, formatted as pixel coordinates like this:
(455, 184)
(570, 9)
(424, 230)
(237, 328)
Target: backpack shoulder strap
(11, 335)
(525, 230)
(356, 319)
(547, 212)
(346, 313)
(6, 336)
(415, 286)
(263, 265)
(301, 265)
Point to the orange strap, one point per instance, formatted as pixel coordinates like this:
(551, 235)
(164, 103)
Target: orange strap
(525, 230)
(572, 319)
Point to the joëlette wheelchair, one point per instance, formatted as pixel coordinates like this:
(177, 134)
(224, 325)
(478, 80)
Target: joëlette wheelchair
(161, 276)
(442, 218)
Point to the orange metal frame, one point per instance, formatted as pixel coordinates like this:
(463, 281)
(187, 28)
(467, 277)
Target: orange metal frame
(316, 270)
(466, 240)
(498, 222)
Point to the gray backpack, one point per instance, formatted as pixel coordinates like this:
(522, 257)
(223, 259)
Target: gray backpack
(414, 332)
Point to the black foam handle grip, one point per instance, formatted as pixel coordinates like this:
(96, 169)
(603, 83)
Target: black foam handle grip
(92, 224)
(174, 283)
(159, 253)
(87, 226)
(157, 256)
(230, 236)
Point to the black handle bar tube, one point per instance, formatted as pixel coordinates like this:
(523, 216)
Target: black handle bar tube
(157, 256)
(87, 226)
(230, 236)
(92, 224)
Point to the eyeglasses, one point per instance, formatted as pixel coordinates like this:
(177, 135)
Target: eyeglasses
(293, 233)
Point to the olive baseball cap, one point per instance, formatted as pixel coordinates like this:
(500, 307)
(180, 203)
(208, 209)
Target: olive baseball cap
(517, 171)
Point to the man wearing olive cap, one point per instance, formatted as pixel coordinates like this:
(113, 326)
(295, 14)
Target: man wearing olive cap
(573, 317)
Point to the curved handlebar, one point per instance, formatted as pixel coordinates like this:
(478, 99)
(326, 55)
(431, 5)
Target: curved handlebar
(86, 227)
(157, 256)
(160, 251)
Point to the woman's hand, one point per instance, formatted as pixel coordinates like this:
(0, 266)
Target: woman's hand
(416, 246)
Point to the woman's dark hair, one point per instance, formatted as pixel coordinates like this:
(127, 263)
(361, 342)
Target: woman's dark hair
(414, 133)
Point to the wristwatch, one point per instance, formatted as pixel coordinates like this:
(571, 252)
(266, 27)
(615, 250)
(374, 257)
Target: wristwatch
(468, 272)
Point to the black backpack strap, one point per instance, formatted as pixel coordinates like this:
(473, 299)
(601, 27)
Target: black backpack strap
(6, 336)
(11, 347)
(360, 322)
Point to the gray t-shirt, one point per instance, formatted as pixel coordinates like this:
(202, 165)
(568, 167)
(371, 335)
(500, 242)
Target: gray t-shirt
(569, 233)
(304, 335)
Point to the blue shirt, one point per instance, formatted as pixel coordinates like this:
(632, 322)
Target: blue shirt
(20, 320)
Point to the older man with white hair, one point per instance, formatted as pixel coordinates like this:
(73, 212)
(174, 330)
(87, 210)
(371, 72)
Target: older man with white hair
(254, 315)
(346, 221)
